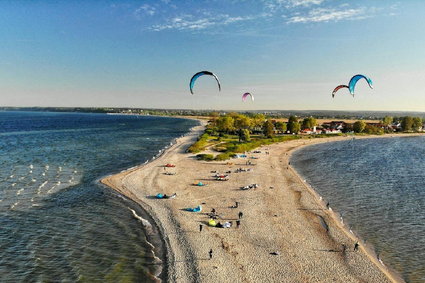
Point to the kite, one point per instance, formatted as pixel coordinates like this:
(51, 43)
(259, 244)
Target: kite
(338, 88)
(353, 82)
(197, 75)
(245, 95)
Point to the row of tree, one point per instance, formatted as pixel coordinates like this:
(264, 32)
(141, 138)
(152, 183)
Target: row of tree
(244, 125)
(407, 123)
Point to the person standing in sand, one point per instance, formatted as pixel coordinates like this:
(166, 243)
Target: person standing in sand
(356, 247)
(210, 253)
(240, 215)
(200, 227)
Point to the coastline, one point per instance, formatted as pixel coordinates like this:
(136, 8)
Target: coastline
(185, 248)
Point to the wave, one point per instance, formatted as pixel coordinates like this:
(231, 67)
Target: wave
(145, 222)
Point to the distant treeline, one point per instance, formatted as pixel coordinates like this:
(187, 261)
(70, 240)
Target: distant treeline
(318, 114)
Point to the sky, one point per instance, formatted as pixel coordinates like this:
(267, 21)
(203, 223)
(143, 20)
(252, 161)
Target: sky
(290, 54)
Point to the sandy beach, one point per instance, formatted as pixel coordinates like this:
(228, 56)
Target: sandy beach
(286, 233)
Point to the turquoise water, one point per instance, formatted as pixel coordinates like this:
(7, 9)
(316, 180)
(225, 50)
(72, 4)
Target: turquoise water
(378, 185)
(57, 223)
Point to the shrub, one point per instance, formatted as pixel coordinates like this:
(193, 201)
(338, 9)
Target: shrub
(205, 157)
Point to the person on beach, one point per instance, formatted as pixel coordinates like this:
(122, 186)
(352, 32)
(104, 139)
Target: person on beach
(200, 227)
(327, 205)
(240, 215)
(356, 246)
(344, 247)
(236, 204)
(238, 223)
(210, 253)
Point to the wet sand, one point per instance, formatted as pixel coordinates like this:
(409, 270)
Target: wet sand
(283, 216)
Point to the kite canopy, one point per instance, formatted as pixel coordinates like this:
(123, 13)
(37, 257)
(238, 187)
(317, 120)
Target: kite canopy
(353, 82)
(197, 75)
(338, 88)
(245, 95)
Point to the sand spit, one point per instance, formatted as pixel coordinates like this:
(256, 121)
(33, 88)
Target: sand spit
(286, 233)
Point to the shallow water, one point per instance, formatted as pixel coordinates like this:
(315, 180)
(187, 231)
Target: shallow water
(378, 185)
(57, 223)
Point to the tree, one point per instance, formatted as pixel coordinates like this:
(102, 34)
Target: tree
(268, 128)
(225, 124)
(373, 130)
(294, 127)
(292, 118)
(244, 136)
(359, 126)
(257, 121)
(280, 126)
(417, 124)
(388, 120)
(242, 122)
(308, 123)
(407, 123)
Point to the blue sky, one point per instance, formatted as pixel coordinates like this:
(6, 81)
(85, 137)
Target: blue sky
(289, 54)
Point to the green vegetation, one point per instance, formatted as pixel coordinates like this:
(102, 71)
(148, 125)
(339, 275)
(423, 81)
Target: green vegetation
(308, 123)
(359, 126)
(410, 124)
(236, 133)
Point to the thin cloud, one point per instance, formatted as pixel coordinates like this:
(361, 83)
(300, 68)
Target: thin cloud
(305, 3)
(145, 9)
(276, 5)
(189, 22)
(328, 15)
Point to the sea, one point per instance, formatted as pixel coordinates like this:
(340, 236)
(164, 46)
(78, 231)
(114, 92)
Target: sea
(57, 223)
(378, 187)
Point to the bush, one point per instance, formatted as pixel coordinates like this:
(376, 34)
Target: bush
(205, 157)
(224, 156)
(200, 144)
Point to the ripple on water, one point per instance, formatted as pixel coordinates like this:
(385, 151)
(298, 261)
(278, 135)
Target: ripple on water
(379, 191)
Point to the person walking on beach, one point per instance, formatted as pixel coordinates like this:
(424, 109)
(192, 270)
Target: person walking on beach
(210, 253)
(238, 223)
(240, 215)
(200, 227)
(344, 247)
(236, 204)
(327, 205)
(356, 246)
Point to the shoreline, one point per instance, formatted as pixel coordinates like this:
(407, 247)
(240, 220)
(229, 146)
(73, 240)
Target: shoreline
(178, 242)
(113, 181)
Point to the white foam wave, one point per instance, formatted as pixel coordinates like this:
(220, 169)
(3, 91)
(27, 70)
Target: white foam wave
(145, 223)
(31, 166)
(42, 185)
(19, 192)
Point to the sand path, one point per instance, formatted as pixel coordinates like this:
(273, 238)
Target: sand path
(283, 215)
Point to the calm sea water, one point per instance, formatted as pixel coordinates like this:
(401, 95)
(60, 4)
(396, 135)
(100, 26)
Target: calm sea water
(379, 187)
(56, 222)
